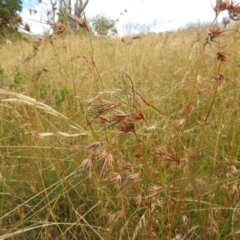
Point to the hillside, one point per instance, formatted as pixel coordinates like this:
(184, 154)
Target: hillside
(121, 138)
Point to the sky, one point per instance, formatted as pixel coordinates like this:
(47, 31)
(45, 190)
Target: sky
(154, 15)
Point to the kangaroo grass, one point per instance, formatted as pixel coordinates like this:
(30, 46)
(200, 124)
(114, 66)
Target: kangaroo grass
(109, 138)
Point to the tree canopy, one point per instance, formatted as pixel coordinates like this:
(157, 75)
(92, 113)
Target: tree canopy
(8, 12)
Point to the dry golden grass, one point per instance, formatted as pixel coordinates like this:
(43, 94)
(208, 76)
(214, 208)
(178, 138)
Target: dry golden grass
(109, 139)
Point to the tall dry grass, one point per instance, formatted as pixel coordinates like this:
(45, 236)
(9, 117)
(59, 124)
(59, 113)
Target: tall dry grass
(111, 139)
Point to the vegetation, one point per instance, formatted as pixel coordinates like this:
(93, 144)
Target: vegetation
(102, 25)
(134, 138)
(8, 11)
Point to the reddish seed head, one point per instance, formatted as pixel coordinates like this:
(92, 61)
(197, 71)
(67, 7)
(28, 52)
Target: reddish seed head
(221, 57)
(80, 22)
(136, 116)
(221, 5)
(18, 19)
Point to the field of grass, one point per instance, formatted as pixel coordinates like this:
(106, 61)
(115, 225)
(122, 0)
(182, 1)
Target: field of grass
(128, 138)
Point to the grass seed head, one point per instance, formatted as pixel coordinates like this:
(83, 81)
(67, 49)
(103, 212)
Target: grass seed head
(154, 190)
(126, 128)
(138, 199)
(136, 116)
(111, 219)
(87, 166)
(18, 19)
(20, 213)
(235, 234)
(32, 11)
(107, 159)
(234, 189)
(189, 108)
(234, 10)
(131, 180)
(93, 145)
(185, 219)
(181, 121)
(126, 166)
(27, 27)
(177, 236)
(37, 43)
(214, 32)
(80, 22)
(159, 151)
(108, 104)
(103, 118)
(138, 153)
(214, 229)
(220, 77)
(221, 57)
(29, 57)
(60, 28)
(95, 148)
(119, 116)
(221, 5)
(115, 177)
(34, 189)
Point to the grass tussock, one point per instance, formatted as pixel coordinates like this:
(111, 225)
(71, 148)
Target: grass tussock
(121, 138)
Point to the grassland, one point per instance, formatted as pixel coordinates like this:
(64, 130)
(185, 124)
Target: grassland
(128, 138)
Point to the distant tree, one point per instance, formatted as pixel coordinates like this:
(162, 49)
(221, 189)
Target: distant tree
(102, 25)
(8, 15)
